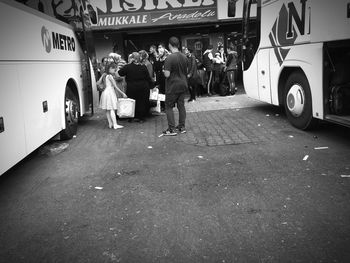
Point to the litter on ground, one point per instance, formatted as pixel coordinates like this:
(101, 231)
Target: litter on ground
(305, 157)
(321, 148)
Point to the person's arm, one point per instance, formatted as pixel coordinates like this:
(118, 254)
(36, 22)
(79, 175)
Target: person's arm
(111, 79)
(147, 73)
(166, 70)
(229, 58)
(192, 68)
(99, 82)
(210, 56)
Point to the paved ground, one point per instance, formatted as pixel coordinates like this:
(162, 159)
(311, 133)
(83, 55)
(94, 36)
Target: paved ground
(241, 186)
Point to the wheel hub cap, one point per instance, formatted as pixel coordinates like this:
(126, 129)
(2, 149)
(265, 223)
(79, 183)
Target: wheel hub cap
(296, 100)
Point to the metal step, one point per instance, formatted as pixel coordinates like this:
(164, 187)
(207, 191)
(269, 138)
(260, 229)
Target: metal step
(343, 120)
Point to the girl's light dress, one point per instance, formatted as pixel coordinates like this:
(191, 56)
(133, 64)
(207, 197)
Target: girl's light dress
(109, 100)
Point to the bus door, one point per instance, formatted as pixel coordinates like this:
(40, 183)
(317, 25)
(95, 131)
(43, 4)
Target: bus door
(264, 75)
(83, 30)
(90, 58)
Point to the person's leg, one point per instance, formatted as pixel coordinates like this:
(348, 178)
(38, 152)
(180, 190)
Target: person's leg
(195, 90)
(162, 90)
(191, 90)
(210, 76)
(109, 119)
(231, 81)
(234, 79)
(169, 105)
(114, 120)
(182, 111)
(216, 80)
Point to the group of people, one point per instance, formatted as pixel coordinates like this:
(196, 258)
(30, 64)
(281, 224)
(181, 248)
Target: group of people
(135, 78)
(220, 70)
(130, 79)
(173, 72)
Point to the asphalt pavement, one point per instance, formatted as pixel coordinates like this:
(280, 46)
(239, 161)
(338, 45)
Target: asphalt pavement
(242, 185)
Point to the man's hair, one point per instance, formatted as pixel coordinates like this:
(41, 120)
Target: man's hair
(174, 42)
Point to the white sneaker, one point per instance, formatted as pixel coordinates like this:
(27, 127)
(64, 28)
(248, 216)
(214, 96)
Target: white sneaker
(118, 126)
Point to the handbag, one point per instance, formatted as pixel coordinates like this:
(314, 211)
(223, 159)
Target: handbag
(161, 97)
(153, 94)
(126, 108)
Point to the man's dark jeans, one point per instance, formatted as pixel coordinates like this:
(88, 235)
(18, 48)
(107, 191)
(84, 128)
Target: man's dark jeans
(170, 100)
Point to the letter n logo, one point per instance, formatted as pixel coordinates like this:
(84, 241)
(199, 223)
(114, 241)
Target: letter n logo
(283, 33)
(299, 20)
(46, 39)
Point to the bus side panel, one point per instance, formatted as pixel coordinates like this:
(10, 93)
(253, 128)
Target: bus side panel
(40, 83)
(30, 37)
(12, 140)
(331, 17)
(264, 75)
(308, 58)
(278, 23)
(250, 80)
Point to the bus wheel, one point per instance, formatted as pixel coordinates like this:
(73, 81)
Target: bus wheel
(298, 103)
(71, 115)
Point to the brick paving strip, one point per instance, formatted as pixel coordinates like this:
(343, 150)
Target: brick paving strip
(211, 121)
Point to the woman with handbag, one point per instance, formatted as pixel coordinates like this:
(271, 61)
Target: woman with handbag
(109, 100)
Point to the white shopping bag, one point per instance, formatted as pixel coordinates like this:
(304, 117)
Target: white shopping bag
(161, 97)
(126, 108)
(153, 94)
(156, 109)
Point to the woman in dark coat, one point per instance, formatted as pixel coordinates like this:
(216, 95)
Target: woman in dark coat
(138, 84)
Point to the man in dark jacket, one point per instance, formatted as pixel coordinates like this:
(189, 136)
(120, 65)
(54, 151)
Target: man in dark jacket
(208, 60)
(193, 77)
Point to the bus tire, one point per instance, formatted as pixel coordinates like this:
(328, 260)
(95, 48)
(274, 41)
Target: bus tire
(71, 111)
(298, 102)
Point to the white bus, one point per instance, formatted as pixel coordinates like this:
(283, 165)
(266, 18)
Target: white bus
(297, 54)
(46, 77)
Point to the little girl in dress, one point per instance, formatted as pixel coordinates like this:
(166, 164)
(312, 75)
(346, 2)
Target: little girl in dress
(109, 100)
